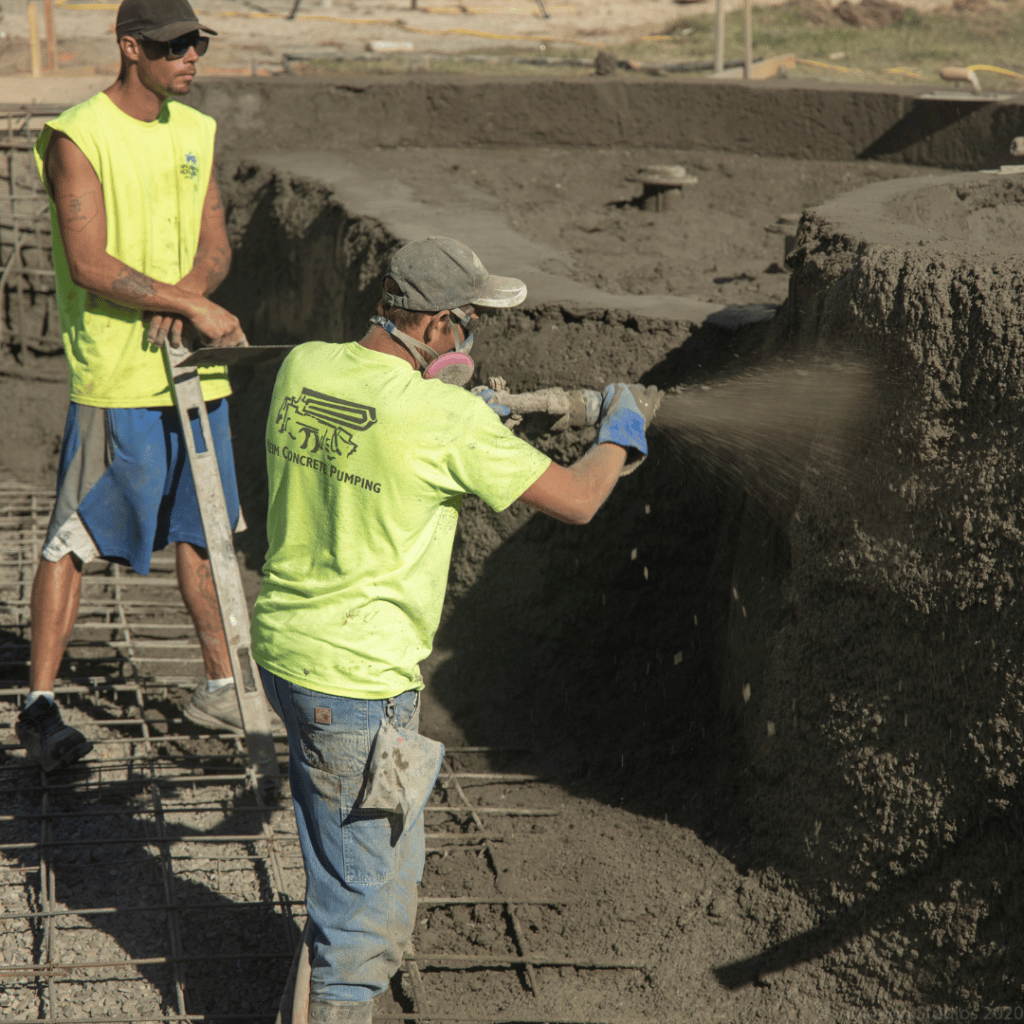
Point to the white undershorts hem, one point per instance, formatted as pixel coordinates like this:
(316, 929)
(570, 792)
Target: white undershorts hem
(72, 538)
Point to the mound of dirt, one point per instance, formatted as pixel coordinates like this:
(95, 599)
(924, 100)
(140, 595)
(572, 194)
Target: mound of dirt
(876, 662)
(865, 14)
(870, 13)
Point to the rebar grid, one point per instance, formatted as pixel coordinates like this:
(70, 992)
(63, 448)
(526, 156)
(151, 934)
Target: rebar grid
(145, 810)
(196, 874)
(27, 278)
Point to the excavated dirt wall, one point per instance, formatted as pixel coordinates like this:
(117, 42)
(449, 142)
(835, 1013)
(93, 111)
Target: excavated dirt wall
(881, 640)
(771, 118)
(864, 642)
(324, 279)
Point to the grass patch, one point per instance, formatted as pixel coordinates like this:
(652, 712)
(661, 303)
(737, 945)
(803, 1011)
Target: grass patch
(916, 47)
(910, 51)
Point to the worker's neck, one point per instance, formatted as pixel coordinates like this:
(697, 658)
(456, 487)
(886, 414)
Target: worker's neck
(378, 340)
(132, 96)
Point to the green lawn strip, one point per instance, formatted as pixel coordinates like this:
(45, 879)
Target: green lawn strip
(912, 51)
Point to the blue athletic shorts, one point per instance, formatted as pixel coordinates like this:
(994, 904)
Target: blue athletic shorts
(125, 474)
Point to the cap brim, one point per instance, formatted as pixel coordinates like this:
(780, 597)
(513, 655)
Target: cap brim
(166, 33)
(502, 292)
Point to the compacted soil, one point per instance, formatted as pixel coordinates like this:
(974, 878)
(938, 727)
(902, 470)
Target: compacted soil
(723, 242)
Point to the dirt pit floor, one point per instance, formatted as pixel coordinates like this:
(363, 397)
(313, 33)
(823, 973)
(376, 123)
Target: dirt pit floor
(722, 241)
(626, 864)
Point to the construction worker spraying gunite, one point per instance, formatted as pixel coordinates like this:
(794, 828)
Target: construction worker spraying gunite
(355, 578)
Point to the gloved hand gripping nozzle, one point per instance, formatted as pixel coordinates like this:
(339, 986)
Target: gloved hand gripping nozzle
(623, 412)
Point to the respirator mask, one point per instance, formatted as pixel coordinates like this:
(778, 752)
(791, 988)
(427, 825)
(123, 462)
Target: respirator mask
(453, 367)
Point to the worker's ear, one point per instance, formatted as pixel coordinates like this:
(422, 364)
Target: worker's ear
(436, 327)
(131, 49)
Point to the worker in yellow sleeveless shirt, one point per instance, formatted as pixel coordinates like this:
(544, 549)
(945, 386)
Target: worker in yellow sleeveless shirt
(139, 241)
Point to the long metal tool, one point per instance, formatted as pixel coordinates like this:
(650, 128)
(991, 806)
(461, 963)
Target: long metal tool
(227, 580)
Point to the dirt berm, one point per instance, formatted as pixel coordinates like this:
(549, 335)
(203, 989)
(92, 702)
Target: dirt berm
(882, 642)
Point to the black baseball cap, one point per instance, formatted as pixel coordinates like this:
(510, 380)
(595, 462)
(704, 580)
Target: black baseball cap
(159, 20)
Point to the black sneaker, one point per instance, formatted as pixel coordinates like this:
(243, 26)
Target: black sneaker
(47, 739)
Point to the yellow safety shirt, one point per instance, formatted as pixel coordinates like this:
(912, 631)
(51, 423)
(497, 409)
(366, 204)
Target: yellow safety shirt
(154, 176)
(368, 464)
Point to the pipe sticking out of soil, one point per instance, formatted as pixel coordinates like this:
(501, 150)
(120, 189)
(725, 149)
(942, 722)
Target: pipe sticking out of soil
(756, 429)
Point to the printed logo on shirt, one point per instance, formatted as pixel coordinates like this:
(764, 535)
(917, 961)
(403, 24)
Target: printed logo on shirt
(329, 469)
(323, 423)
(190, 168)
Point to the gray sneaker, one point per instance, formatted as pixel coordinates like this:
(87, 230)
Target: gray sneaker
(47, 739)
(217, 710)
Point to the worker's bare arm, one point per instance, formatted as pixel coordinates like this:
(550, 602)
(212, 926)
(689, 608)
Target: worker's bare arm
(574, 494)
(81, 216)
(213, 255)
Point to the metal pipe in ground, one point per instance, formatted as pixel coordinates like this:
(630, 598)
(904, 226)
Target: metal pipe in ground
(719, 36)
(748, 40)
(51, 35)
(33, 39)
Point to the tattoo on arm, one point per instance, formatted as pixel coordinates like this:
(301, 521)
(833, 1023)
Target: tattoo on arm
(132, 287)
(81, 210)
(212, 262)
(218, 259)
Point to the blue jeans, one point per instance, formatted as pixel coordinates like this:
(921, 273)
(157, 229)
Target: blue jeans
(361, 870)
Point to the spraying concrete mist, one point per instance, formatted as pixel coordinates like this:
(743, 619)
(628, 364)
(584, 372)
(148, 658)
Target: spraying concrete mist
(756, 429)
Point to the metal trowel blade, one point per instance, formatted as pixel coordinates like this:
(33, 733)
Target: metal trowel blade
(247, 355)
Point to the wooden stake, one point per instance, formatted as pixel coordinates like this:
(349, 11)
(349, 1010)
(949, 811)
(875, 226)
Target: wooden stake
(748, 39)
(51, 35)
(719, 36)
(33, 38)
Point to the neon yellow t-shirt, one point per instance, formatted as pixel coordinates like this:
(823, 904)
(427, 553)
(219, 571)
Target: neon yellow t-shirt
(154, 176)
(367, 464)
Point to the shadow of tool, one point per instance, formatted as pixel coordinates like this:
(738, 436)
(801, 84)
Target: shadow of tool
(985, 857)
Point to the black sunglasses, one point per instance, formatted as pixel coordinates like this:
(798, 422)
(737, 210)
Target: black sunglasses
(175, 48)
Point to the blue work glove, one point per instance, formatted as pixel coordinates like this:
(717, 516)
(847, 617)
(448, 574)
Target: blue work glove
(626, 413)
(488, 395)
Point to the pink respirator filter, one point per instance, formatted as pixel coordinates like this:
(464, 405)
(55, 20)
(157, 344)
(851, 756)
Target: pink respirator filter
(451, 368)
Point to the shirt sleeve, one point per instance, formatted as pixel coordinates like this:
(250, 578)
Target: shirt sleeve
(488, 460)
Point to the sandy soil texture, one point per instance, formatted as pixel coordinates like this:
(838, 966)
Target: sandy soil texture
(724, 242)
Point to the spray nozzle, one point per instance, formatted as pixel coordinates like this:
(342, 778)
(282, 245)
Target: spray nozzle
(577, 408)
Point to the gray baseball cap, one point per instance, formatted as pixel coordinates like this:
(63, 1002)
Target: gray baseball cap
(438, 273)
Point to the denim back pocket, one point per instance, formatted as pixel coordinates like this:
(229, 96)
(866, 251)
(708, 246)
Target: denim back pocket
(364, 848)
(340, 744)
